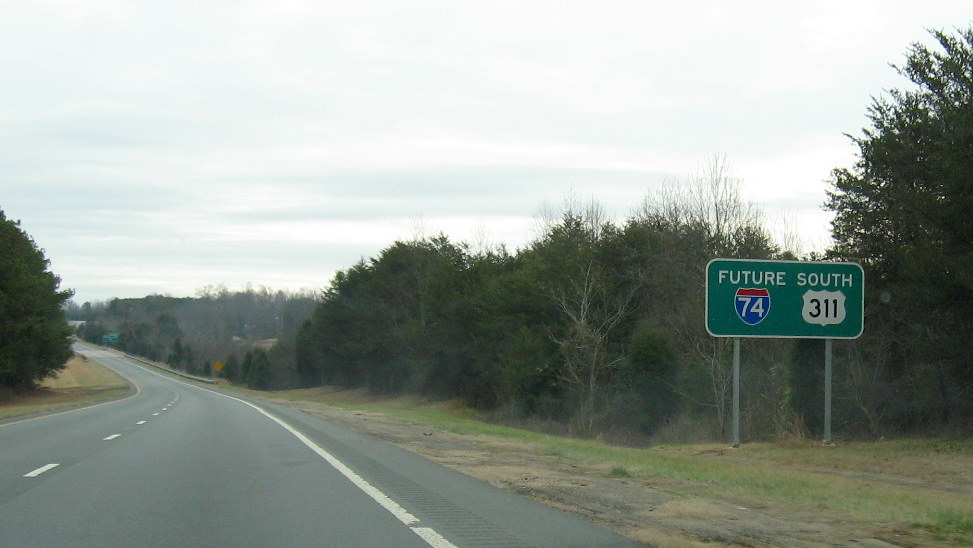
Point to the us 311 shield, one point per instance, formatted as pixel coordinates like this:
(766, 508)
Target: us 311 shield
(824, 307)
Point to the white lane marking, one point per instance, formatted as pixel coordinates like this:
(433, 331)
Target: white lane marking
(428, 534)
(41, 470)
(140, 422)
(155, 414)
(111, 437)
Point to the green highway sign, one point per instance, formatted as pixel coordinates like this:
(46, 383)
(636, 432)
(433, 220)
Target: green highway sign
(784, 299)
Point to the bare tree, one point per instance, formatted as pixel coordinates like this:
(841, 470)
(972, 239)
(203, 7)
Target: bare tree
(706, 216)
(711, 202)
(787, 235)
(593, 311)
(592, 213)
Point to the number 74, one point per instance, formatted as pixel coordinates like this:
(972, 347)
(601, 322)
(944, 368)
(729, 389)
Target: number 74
(752, 305)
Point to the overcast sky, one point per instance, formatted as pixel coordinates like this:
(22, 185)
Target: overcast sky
(159, 147)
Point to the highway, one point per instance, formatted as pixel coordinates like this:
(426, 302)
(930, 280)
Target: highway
(176, 464)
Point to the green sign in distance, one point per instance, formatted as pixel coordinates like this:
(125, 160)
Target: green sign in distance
(784, 299)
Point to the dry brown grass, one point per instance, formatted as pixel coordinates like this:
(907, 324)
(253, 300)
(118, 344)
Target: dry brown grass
(80, 382)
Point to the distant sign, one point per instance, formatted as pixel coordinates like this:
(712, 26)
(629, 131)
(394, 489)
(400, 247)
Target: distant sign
(218, 366)
(820, 300)
(110, 338)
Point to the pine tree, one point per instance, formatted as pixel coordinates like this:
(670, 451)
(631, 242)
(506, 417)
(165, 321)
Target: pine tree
(33, 331)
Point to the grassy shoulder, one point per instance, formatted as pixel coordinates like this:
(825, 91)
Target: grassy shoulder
(81, 382)
(918, 488)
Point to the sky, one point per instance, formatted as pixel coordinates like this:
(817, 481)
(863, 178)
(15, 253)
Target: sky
(161, 147)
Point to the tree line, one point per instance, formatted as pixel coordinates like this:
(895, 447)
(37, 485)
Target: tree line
(251, 332)
(596, 325)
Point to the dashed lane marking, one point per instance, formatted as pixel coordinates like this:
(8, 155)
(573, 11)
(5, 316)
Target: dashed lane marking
(41, 470)
(432, 537)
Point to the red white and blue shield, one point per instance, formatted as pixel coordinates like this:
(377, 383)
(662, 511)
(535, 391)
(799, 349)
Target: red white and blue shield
(752, 305)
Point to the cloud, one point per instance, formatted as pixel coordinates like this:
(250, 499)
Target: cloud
(166, 146)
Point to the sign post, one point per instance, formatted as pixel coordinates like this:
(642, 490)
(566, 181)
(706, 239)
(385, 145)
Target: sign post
(784, 299)
(736, 391)
(827, 390)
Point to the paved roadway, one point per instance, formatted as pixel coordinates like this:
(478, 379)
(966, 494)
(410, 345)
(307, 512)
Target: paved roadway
(175, 464)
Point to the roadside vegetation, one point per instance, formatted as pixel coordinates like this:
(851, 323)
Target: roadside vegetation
(249, 332)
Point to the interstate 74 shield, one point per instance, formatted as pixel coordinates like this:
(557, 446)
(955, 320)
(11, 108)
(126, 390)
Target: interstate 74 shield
(752, 304)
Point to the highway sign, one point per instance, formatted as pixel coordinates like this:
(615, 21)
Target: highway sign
(784, 299)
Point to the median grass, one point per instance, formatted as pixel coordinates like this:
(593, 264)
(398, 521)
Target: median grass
(81, 382)
(908, 483)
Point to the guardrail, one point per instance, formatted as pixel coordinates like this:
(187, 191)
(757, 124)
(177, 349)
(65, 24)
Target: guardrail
(169, 369)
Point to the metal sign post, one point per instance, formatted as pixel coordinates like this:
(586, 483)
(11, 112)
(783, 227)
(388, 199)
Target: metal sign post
(736, 391)
(827, 390)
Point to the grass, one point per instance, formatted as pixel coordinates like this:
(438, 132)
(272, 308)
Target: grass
(81, 382)
(881, 484)
(619, 472)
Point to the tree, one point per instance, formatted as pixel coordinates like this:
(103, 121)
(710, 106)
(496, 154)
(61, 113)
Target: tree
(706, 216)
(905, 210)
(592, 311)
(231, 368)
(257, 370)
(33, 330)
(647, 378)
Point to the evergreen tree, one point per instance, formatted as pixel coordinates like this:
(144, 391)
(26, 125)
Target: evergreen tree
(905, 210)
(257, 369)
(33, 330)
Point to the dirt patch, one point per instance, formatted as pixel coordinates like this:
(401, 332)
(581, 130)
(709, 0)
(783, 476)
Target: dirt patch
(663, 513)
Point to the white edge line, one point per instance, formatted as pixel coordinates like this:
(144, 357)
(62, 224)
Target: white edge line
(41, 470)
(428, 534)
(431, 536)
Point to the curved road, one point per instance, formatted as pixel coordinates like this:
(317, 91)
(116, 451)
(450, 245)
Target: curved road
(175, 464)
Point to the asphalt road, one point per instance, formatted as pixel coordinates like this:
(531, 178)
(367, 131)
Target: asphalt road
(175, 464)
